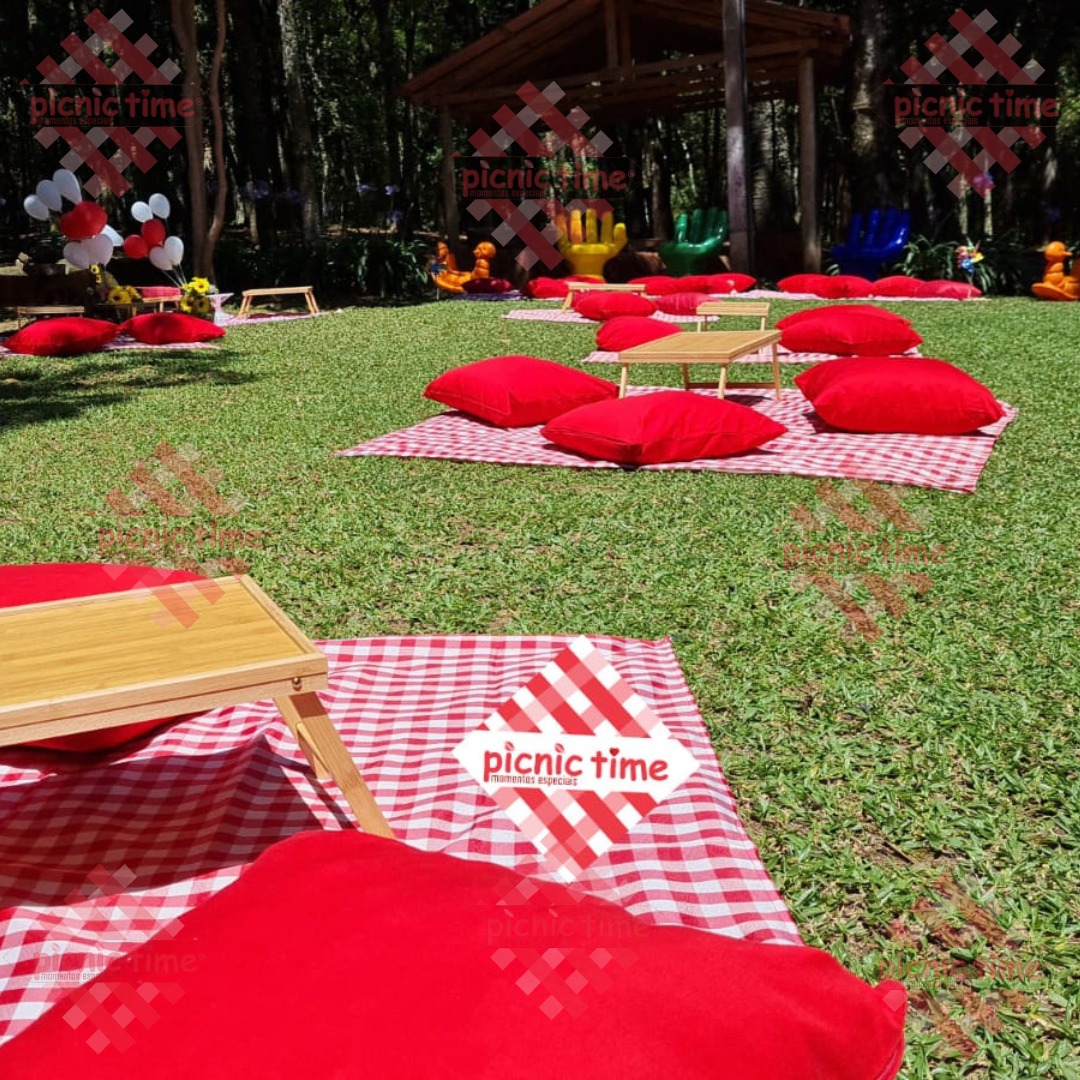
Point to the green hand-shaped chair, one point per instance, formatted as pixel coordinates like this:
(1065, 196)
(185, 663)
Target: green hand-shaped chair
(696, 238)
(588, 249)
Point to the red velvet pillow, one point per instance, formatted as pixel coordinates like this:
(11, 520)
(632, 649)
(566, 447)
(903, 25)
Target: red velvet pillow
(829, 287)
(669, 425)
(681, 303)
(546, 288)
(850, 334)
(38, 583)
(731, 283)
(898, 394)
(694, 283)
(896, 285)
(159, 292)
(810, 314)
(67, 336)
(948, 290)
(658, 284)
(517, 391)
(803, 283)
(626, 331)
(488, 285)
(606, 305)
(171, 328)
(417, 964)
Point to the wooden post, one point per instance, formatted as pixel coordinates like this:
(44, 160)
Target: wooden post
(740, 210)
(808, 186)
(449, 179)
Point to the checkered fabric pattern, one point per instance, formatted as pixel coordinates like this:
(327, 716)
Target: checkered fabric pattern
(785, 356)
(777, 294)
(946, 462)
(571, 316)
(178, 816)
(124, 343)
(578, 693)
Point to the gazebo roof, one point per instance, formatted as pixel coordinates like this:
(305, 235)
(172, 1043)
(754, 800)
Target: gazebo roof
(660, 56)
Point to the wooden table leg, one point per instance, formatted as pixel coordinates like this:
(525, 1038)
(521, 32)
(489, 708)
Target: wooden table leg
(776, 370)
(686, 376)
(722, 385)
(623, 380)
(321, 743)
(245, 307)
(309, 296)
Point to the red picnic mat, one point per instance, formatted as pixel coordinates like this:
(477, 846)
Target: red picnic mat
(97, 854)
(810, 447)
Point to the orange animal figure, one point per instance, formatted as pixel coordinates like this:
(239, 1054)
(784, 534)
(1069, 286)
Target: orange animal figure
(1056, 284)
(449, 278)
(484, 252)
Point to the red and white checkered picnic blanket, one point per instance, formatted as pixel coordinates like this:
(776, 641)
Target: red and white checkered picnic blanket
(785, 356)
(571, 316)
(96, 855)
(809, 448)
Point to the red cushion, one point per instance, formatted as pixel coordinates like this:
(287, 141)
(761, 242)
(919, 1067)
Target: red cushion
(829, 287)
(657, 284)
(731, 283)
(896, 285)
(681, 303)
(803, 283)
(606, 305)
(171, 328)
(546, 288)
(626, 331)
(694, 283)
(898, 394)
(488, 285)
(850, 334)
(517, 391)
(159, 292)
(338, 954)
(670, 425)
(68, 336)
(948, 290)
(38, 583)
(810, 314)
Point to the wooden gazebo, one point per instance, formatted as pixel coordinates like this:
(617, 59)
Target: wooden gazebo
(625, 59)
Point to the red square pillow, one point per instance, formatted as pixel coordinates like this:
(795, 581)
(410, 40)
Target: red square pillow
(68, 336)
(898, 394)
(626, 331)
(41, 582)
(607, 305)
(850, 334)
(804, 283)
(657, 284)
(850, 286)
(546, 288)
(670, 425)
(896, 285)
(730, 283)
(488, 285)
(517, 391)
(693, 283)
(810, 314)
(416, 964)
(159, 292)
(948, 290)
(681, 303)
(171, 328)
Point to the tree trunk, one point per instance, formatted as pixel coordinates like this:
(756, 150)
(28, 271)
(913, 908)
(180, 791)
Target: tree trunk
(875, 179)
(214, 93)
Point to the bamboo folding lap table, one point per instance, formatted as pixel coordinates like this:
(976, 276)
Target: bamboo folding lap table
(102, 661)
(715, 347)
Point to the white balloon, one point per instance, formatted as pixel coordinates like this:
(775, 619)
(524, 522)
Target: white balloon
(159, 205)
(174, 249)
(113, 235)
(36, 208)
(67, 183)
(160, 259)
(100, 248)
(77, 255)
(140, 211)
(47, 192)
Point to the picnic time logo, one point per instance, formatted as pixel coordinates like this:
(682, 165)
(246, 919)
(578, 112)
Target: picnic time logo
(539, 181)
(939, 981)
(969, 110)
(172, 485)
(83, 101)
(874, 562)
(576, 758)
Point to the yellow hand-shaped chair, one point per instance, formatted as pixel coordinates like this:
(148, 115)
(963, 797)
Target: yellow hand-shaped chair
(586, 248)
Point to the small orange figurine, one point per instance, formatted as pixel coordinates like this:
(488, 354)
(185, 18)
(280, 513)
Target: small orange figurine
(484, 252)
(449, 277)
(1056, 285)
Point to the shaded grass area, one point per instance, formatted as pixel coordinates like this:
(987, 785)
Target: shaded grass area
(865, 770)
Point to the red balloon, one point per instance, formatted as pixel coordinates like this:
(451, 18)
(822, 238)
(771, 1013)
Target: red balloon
(135, 247)
(83, 221)
(153, 232)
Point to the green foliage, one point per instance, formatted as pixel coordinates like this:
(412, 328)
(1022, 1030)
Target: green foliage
(1007, 269)
(392, 268)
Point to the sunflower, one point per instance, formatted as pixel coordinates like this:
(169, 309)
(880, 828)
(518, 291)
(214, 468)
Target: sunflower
(117, 295)
(200, 286)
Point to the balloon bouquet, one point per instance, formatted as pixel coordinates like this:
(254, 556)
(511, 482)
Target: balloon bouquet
(90, 238)
(166, 253)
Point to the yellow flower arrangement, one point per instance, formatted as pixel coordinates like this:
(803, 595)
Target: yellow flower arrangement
(199, 285)
(195, 298)
(123, 294)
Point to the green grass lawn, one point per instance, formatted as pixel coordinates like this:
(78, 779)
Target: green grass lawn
(864, 771)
